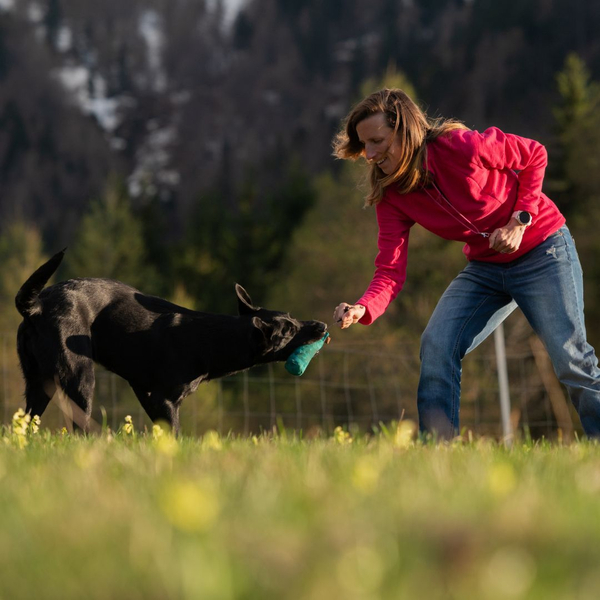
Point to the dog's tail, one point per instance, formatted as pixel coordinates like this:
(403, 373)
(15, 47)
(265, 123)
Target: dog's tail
(27, 296)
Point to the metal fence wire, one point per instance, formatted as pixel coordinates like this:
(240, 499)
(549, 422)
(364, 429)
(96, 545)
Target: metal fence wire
(355, 387)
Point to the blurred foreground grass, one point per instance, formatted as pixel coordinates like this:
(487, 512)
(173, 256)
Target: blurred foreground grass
(144, 516)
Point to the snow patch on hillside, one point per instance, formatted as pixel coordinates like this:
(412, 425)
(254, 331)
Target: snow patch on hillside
(78, 81)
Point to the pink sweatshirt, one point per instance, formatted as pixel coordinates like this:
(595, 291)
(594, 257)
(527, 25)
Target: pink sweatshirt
(484, 177)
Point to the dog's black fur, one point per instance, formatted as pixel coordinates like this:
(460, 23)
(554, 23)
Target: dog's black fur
(163, 350)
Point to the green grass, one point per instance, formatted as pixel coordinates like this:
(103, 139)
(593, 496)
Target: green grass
(129, 516)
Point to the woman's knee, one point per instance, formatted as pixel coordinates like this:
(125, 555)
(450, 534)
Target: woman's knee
(434, 343)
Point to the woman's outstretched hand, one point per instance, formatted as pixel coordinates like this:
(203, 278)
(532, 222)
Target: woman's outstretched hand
(345, 314)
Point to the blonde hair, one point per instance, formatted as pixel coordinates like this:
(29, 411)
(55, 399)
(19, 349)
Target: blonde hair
(412, 126)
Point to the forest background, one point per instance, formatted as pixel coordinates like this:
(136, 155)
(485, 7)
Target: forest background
(181, 146)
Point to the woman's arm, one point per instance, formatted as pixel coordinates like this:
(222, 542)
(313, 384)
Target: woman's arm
(528, 158)
(390, 269)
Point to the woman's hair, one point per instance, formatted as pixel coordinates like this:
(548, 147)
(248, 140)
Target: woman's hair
(412, 126)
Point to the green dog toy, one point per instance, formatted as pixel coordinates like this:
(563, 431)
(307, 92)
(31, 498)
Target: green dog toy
(298, 361)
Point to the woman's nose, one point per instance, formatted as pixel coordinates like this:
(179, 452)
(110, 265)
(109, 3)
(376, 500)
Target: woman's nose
(369, 153)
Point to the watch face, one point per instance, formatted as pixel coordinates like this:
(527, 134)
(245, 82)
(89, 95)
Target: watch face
(524, 217)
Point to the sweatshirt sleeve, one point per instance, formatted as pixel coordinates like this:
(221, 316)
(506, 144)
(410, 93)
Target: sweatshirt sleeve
(499, 150)
(390, 264)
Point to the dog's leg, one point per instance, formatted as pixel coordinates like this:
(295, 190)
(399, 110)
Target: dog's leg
(169, 412)
(37, 395)
(39, 386)
(78, 384)
(159, 408)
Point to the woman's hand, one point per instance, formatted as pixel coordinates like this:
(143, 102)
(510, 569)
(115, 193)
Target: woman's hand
(507, 239)
(348, 314)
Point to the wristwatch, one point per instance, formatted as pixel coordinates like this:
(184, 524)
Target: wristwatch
(523, 217)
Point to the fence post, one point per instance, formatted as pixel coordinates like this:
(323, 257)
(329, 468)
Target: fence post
(298, 405)
(503, 382)
(372, 396)
(4, 378)
(246, 401)
(220, 406)
(112, 380)
(272, 401)
(347, 390)
(324, 419)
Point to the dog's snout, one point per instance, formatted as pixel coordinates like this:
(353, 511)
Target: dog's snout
(317, 325)
(315, 330)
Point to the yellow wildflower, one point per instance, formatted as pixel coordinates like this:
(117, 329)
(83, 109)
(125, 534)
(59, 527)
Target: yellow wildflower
(212, 440)
(366, 474)
(405, 434)
(342, 437)
(128, 427)
(190, 506)
(502, 479)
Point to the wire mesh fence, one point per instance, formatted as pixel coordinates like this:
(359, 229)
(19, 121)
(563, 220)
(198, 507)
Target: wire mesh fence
(355, 387)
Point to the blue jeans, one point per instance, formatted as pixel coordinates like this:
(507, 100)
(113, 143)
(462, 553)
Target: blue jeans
(547, 285)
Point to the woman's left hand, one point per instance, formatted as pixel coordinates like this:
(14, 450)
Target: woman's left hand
(507, 239)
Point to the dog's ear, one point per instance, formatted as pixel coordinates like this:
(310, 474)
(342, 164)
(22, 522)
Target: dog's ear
(245, 306)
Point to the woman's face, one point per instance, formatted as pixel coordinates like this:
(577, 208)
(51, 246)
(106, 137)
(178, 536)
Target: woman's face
(381, 146)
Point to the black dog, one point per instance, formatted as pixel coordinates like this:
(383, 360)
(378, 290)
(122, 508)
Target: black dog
(163, 350)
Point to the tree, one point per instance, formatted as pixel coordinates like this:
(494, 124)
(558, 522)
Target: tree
(578, 93)
(578, 124)
(110, 242)
(391, 78)
(578, 171)
(246, 242)
(20, 255)
(50, 154)
(52, 22)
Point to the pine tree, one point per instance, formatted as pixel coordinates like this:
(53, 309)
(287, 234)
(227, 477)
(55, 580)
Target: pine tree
(392, 78)
(245, 242)
(110, 242)
(20, 255)
(578, 125)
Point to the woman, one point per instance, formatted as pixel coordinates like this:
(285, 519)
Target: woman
(484, 189)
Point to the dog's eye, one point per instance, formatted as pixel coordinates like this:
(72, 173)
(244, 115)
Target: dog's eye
(288, 328)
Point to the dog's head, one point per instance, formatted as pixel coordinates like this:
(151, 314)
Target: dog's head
(277, 333)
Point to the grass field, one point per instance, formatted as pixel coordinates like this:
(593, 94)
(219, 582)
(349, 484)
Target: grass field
(123, 515)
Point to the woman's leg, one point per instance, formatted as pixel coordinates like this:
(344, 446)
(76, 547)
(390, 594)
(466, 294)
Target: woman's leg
(471, 308)
(548, 287)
